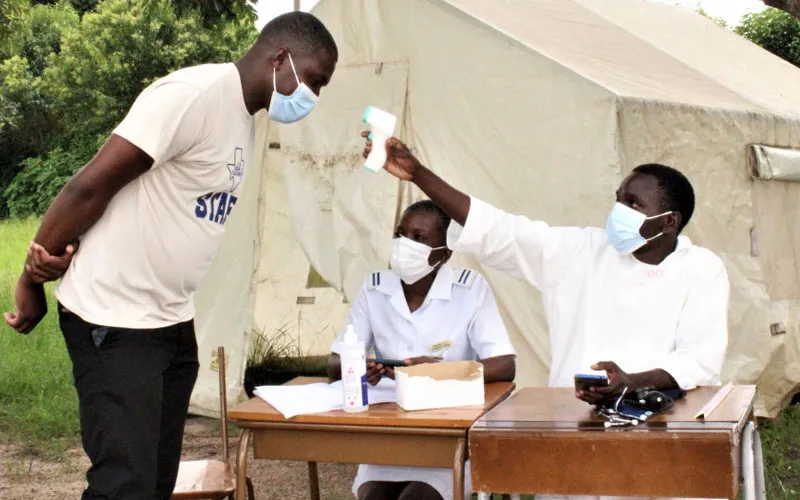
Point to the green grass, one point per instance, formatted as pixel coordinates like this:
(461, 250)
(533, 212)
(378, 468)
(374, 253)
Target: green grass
(781, 446)
(38, 404)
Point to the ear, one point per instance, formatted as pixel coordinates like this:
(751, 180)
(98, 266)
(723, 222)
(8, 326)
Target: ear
(434, 257)
(280, 57)
(672, 222)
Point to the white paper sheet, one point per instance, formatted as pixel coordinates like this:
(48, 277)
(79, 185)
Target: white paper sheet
(293, 400)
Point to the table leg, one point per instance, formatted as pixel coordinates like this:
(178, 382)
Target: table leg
(459, 460)
(758, 464)
(748, 469)
(241, 465)
(313, 480)
(484, 496)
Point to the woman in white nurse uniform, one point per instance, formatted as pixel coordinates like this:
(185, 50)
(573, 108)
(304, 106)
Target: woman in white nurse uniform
(424, 311)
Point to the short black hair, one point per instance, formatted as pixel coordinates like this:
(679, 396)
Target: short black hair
(300, 32)
(676, 190)
(429, 207)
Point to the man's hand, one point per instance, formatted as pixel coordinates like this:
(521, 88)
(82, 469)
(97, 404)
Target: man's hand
(43, 267)
(419, 360)
(400, 162)
(618, 380)
(31, 305)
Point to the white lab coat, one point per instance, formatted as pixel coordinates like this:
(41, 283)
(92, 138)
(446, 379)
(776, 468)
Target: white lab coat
(601, 305)
(457, 321)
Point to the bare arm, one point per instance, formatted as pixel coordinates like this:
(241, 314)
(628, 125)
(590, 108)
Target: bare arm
(451, 200)
(499, 369)
(84, 199)
(77, 207)
(657, 379)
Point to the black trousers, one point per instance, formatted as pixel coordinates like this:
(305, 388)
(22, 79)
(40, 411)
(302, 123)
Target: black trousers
(133, 390)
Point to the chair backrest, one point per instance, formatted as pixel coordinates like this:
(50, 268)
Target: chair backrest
(223, 403)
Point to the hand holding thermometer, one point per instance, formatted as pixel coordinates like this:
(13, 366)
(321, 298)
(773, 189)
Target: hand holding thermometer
(382, 126)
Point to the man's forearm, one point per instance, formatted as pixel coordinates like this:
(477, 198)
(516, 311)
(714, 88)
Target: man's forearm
(72, 213)
(84, 199)
(499, 369)
(451, 200)
(656, 379)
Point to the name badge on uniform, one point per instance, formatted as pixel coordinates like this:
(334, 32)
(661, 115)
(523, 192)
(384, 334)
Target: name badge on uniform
(440, 346)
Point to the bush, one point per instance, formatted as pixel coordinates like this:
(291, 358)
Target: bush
(37, 34)
(42, 177)
(67, 74)
(775, 31)
(117, 51)
(27, 124)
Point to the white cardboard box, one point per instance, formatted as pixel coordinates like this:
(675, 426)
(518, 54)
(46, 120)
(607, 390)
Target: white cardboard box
(440, 385)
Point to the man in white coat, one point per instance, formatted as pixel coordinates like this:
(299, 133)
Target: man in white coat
(635, 299)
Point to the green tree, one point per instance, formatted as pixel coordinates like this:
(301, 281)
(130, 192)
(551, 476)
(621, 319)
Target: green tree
(790, 6)
(10, 10)
(213, 12)
(125, 46)
(775, 31)
(37, 34)
(80, 6)
(27, 123)
(85, 80)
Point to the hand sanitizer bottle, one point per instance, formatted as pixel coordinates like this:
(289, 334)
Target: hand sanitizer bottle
(381, 128)
(354, 372)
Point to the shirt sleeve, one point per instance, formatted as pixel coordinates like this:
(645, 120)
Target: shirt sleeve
(487, 334)
(359, 318)
(527, 249)
(165, 120)
(702, 334)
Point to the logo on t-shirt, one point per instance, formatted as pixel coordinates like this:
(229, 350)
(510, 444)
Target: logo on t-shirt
(216, 207)
(236, 169)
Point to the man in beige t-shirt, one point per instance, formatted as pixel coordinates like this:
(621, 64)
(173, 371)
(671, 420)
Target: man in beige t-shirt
(150, 211)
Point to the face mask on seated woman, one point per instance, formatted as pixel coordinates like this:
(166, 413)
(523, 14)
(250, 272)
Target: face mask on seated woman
(409, 259)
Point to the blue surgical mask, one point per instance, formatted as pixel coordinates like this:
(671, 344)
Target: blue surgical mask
(291, 108)
(623, 228)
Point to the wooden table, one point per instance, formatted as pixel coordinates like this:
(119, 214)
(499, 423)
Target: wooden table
(544, 440)
(383, 435)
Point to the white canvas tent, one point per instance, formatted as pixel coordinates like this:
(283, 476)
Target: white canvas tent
(540, 107)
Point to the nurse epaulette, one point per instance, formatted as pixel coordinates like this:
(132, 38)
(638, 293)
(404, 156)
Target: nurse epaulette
(464, 277)
(374, 280)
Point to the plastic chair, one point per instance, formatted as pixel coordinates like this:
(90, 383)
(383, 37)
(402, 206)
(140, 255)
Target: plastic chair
(211, 479)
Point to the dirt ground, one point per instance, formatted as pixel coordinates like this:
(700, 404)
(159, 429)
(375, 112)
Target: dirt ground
(23, 477)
